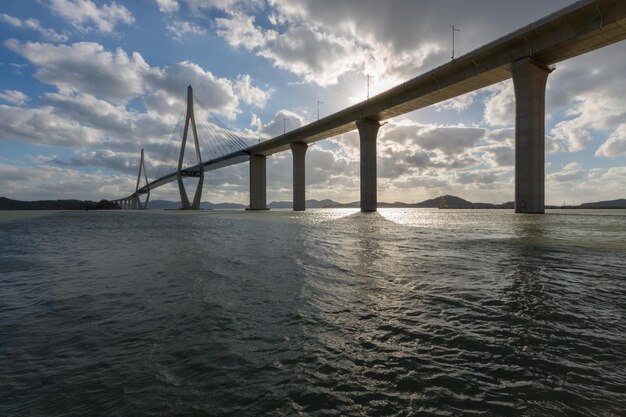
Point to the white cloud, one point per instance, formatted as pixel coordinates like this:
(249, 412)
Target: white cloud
(450, 140)
(572, 166)
(51, 182)
(459, 103)
(48, 34)
(317, 53)
(283, 121)
(181, 29)
(249, 93)
(85, 67)
(569, 136)
(117, 77)
(14, 97)
(500, 106)
(167, 6)
(91, 109)
(42, 126)
(615, 145)
(83, 14)
(239, 30)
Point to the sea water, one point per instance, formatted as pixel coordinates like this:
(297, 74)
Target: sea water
(316, 313)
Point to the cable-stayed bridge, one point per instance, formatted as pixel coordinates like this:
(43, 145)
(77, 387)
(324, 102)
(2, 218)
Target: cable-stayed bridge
(527, 55)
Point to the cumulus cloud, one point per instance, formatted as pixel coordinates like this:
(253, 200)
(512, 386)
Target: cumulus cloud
(182, 29)
(615, 145)
(459, 103)
(14, 97)
(85, 67)
(85, 14)
(283, 121)
(89, 111)
(42, 126)
(94, 106)
(500, 105)
(450, 140)
(318, 53)
(116, 76)
(249, 93)
(500, 156)
(167, 6)
(23, 183)
(33, 24)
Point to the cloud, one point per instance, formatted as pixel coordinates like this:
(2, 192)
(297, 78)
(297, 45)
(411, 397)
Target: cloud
(117, 77)
(167, 6)
(42, 126)
(283, 121)
(181, 29)
(500, 105)
(165, 90)
(239, 30)
(500, 156)
(450, 140)
(97, 105)
(46, 33)
(86, 67)
(317, 53)
(615, 145)
(14, 97)
(89, 111)
(249, 93)
(24, 182)
(472, 177)
(83, 14)
(459, 103)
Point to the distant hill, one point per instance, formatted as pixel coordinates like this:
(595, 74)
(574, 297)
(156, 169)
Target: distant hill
(309, 204)
(452, 202)
(8, 204)
(173, 205)
(611, 204)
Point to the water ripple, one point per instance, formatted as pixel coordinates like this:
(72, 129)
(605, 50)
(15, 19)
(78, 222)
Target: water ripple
(328, 312)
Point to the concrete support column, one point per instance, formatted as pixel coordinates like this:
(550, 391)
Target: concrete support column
(368, 131)
(298, 151)
(258, 198)
(529, 81)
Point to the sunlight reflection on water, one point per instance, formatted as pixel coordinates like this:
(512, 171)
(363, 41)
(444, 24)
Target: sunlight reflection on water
(400, 312)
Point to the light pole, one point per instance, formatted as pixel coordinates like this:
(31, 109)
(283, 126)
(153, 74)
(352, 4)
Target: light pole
(368, 85)
(284, 120)
(318, 108)
(454, 30)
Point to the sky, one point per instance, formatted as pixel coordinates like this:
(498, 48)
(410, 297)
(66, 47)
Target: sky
(85, 85)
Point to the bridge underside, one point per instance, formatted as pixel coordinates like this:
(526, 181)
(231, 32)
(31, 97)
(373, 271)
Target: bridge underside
(525, 55)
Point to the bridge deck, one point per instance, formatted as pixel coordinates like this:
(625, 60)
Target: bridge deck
(579, 28)
(582, 27)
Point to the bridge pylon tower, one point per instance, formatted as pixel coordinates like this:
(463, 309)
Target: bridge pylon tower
(196, 173)
(142, 170)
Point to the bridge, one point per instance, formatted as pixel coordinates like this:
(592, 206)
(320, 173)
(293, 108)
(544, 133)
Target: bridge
(527, 55)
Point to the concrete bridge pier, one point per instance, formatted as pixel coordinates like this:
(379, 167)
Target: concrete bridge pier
(298, 151)
(529, 81)
(368, 131)
(258, 197)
